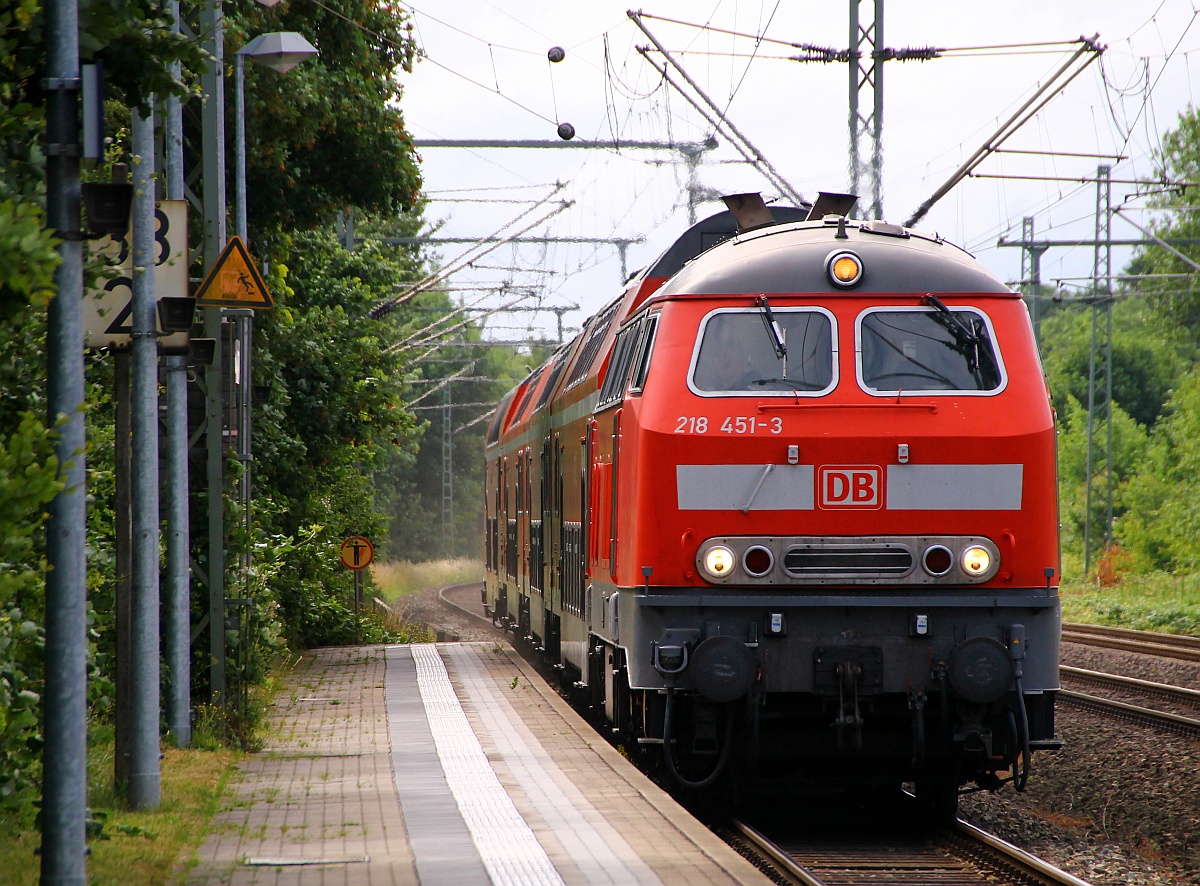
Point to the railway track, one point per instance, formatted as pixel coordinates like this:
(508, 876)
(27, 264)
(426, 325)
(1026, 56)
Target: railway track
(1178, 646)
(957, 855)
(1173, 646)
(1175, 694)
(1159, 720)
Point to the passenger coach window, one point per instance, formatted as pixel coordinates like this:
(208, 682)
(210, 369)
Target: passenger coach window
(737, 353)
(926, 349)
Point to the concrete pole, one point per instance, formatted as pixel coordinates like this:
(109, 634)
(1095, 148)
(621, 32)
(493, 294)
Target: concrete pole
(177, 632)
(144, 786)
(64, 792)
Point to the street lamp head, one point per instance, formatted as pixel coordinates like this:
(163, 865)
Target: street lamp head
(280, 51)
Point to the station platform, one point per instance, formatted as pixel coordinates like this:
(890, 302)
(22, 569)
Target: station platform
(448, 763)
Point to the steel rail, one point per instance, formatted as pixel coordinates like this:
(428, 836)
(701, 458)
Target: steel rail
(1160, 720)
(1021, 859)
(985, 857)
(1178, 646)
(759, 842)
(1179, 694)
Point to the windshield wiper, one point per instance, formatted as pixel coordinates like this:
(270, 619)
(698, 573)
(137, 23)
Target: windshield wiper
(967, 341)
(774, 331)
(963, 333)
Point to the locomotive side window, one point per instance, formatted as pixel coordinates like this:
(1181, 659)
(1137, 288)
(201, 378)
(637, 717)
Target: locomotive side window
(737, 353)
(618, 367)
(929, 350)
(642, 363)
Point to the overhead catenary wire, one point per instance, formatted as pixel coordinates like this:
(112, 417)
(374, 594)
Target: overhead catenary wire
(760, 162)
(1041, 96)
(411, 342)
(442, 382)
(476, 421)
(435, 62)
(1159, 240)
(717, 126)
(809, 47)
(476, 252)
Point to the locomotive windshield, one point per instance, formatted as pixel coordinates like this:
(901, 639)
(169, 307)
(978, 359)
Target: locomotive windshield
(737, 355)
(938, 349)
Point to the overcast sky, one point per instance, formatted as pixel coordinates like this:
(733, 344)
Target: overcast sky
(487, 76)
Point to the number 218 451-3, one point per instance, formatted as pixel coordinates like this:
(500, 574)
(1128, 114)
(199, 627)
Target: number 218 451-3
(731, 424)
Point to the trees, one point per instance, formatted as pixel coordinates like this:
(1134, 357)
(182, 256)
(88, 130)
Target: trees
(1156, 386)
(330, 138)
(330, 134)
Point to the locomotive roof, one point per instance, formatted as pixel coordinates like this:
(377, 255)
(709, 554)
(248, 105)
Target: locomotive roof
(791, 258)
(707, 233)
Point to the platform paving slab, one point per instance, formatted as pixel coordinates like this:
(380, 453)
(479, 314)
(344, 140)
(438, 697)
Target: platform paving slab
(446, 764)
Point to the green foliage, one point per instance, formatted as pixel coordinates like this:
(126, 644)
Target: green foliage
(1162, 528)
(136, 42)
(1175, 298)
(329, 133)
(28, 482)
(414, 496)
(1129, 450)
(1153, 601)
(335, 416)
(1148, 357)
(22, 115)
(27, 256)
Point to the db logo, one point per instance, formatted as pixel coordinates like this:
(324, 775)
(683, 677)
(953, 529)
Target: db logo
(854, 486)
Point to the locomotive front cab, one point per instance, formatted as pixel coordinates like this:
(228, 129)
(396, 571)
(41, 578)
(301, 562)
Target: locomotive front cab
(845, 495)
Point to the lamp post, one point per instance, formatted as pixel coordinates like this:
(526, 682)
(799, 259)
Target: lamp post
(280, 51)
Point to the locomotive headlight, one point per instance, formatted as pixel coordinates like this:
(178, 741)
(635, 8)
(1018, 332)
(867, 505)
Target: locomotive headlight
(719, 561)
(845, 269)
(976, 560)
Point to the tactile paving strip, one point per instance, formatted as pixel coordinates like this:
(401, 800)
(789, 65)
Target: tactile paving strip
(507, 846)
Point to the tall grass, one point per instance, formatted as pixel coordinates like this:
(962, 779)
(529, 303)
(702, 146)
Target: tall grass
(397, 579)
(1156, 601)
(126, 846)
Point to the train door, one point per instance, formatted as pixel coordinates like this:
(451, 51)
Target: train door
(507, 545)
(549, 579)
(612, 503)
(586, 524)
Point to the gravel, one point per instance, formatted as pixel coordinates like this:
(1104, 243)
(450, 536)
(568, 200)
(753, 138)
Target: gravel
(1119, 804)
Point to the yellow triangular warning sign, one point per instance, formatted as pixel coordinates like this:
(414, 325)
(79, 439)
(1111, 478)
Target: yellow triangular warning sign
(234, 281)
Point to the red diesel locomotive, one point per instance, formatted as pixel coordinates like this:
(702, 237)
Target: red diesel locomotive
(786, 511)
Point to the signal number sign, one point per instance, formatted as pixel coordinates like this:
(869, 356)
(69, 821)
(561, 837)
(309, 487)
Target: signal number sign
(357, 552)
